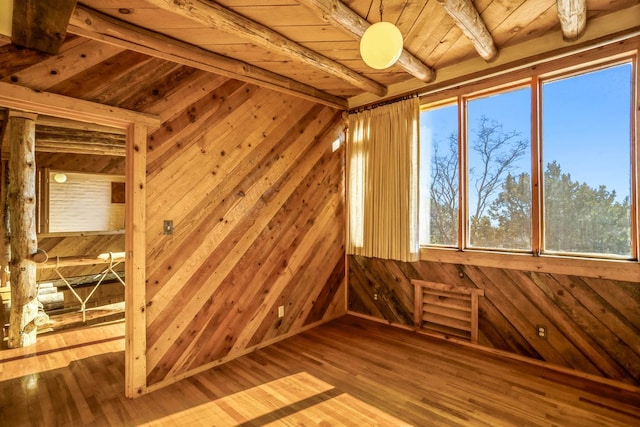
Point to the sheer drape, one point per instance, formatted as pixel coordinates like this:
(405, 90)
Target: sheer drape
(382, 180)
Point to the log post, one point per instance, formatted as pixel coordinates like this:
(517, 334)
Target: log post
(22, 200)
(5, 228)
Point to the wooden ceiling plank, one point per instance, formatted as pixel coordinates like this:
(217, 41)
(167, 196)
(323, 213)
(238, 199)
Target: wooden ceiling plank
(573, 18)
(218, 17)
(469, 21)
(41, 24)
(92, 24)
(340, 15)
(55, 69)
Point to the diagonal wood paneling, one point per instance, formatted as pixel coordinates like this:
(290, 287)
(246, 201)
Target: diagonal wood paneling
(593, 324)
(249, 179)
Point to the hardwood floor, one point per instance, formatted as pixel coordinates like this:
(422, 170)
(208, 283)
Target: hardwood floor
(349, 372)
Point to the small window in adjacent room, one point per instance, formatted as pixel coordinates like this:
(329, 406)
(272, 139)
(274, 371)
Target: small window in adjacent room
(80, 202)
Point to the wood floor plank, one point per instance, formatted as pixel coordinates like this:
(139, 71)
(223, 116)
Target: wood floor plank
(349, 372)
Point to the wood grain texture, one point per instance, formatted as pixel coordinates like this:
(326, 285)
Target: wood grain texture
(41, 25)
(349, 372)
(22, 221)
(592, 324)
(254, 191)
(257, 225)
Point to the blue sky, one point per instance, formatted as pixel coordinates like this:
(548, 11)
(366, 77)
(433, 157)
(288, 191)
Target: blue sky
(586, 122)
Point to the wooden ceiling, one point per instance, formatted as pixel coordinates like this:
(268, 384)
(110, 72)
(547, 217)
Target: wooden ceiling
(311, 47)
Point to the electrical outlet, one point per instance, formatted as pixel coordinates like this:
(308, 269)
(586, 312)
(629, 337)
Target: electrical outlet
(541, 331)
(281, 311)
(375, 297)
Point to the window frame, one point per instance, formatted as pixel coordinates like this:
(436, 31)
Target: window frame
(534, 77)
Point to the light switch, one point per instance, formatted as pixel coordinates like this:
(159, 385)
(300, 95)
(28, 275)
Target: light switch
(168, 227)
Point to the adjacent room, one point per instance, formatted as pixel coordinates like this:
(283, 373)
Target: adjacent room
(319, 212)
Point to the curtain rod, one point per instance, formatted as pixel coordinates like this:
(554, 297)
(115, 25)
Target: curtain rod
(381, 103)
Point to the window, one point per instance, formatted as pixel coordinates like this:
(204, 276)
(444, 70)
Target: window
(82, 202)
(586, 139)
(499, 170)
(576, 147)
(438, 216)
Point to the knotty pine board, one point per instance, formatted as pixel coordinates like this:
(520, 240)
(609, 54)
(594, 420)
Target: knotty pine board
(593, 324)
(256, 195)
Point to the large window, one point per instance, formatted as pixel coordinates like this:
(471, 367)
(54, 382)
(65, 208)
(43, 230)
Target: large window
(586, 122)
(439, 176)
(543, 166)
(499, 166)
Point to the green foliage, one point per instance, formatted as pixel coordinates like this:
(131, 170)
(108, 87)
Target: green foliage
(582, 219)
(577, 217)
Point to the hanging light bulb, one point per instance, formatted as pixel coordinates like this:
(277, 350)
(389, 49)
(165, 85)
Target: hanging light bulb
(381, 44)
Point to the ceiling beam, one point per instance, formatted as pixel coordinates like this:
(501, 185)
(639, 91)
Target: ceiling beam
(467, 18)
(573, 18)
(215, 16)
(341, 16)
(41, 24)
(95, 25)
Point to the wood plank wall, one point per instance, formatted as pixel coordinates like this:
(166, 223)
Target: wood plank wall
(593, 324)
(255, 193)
(247, 176)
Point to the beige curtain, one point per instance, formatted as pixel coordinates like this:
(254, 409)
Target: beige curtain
(382, 181)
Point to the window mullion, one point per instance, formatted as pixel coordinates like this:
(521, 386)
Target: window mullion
(537, 208)
(635, 160)
(463, 197)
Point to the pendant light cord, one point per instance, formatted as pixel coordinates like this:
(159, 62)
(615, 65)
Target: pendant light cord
(380, 10)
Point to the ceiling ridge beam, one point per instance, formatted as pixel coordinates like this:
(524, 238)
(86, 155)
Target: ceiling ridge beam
(467, 18)
(215, 16)
(95, 25)
(341, 16)
(573, 18)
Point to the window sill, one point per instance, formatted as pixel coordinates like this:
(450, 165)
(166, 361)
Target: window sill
(626, 270)
(80, 233)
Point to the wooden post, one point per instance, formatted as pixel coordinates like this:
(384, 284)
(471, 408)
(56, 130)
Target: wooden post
(135, 351)
(5, 228)
(22, 215)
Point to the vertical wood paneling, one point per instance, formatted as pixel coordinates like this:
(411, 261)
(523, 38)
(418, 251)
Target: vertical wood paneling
(592, 324)
(248, 177)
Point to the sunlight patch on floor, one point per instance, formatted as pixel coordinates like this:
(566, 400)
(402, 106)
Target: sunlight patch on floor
(296, 400)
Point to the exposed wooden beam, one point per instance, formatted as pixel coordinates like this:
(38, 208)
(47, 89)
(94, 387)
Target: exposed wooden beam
(467, 18)
(91, 24)
(41, 24)
(339, 15)
(78, 142)
(60, 122)
(573, 18)
(215, 16)
(26, 99)
(55, 137)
